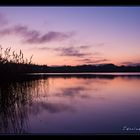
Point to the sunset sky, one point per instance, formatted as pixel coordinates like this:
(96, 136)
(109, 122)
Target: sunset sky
(73, 35)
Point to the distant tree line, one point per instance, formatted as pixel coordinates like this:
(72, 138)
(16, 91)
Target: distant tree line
(93, 68)
(13, 64)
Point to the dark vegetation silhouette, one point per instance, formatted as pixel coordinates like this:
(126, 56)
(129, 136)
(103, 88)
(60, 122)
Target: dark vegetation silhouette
(13, 64)
(92, 68)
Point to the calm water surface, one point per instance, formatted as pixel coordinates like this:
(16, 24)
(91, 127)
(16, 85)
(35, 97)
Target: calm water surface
(84, 104)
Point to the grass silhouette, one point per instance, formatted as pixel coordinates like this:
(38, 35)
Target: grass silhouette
(13, 64)
(7, 56)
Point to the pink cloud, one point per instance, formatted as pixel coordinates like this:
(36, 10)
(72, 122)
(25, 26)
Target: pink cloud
(35, 36)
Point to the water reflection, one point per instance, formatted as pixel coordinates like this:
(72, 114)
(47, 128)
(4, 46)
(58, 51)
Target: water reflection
(15, 97)
(44, 103)
(13, 111)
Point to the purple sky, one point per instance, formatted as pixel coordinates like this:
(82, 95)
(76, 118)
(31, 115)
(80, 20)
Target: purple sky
(73, 35)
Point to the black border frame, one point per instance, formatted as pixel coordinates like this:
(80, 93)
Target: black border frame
(79, 3)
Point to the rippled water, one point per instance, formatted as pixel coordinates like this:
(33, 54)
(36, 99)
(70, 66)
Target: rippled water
(92, 103)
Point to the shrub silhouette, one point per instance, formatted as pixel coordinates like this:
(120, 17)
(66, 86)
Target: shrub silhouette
(7, 57)
(12, 63)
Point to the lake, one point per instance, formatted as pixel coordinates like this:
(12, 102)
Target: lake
(101, 103)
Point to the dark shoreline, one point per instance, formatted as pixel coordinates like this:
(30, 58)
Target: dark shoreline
(17, 71)
(38, 76)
